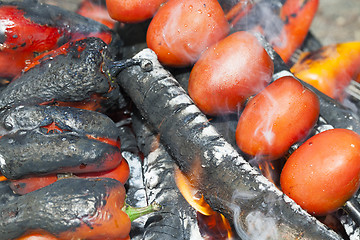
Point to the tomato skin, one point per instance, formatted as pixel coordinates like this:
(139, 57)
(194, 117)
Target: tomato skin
(182, 29)
(324, 172)
(132, 11)
(231, 71)
(276, 118)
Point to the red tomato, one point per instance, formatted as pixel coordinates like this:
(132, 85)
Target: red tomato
(276, 118)
(324, 172)
(132, 10)
(182, 29)
(231, 71)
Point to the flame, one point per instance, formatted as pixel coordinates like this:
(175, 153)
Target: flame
(3, 178)
(271, 170)
(212, 225)
(191, 195)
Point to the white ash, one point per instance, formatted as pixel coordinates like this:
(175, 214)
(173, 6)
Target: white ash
(350, 227)
(283, 73)
(178, 100)
(136, 179)
(2, 161)
(194, 228)
(151, 175)
(221, 151)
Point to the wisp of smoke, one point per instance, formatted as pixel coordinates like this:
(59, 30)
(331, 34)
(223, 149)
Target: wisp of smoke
(258, 225)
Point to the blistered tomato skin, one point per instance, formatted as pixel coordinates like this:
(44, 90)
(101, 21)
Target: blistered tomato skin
(182, 29)
(228, 73)
(132, 11)
(324, 172)
(276, 118)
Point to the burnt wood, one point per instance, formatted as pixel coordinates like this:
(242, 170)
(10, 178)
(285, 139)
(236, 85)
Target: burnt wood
(177, 219)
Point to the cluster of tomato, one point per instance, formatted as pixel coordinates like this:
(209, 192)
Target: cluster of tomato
(231, 66)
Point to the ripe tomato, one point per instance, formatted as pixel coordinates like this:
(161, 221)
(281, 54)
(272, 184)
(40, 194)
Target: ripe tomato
(276, 118)
(182, 29)
(132, 10)
(230, 71)
(324, 172)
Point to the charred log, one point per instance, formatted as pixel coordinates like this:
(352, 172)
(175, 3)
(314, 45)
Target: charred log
(177, 219)
(229, 184)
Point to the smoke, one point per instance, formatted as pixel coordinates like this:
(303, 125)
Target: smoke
(269, 108)
(264, 17)
(255, 225)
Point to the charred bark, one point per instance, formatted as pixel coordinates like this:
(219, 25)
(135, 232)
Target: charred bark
(228, 183)
(177, 219)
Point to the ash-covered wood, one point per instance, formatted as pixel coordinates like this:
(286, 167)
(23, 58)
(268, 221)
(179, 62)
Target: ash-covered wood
(177, 219)
(229, 184)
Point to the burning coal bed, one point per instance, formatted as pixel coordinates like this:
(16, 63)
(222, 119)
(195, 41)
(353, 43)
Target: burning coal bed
(176, 119)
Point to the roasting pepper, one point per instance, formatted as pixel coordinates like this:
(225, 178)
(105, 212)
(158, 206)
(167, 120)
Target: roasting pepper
(47, 139)
(71, 75)
(285, 24)
(29, 184)
(297, 16)
(97, 11)
(29, 28)
(72, 208)
(331, 68)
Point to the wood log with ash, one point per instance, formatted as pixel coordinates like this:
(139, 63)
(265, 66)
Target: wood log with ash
(177, 219)
(229, 184)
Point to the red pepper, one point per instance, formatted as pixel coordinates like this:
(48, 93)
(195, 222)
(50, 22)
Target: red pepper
(95, 209)
(25, 33)
(29, 184)
(297, 16)
(96, 10)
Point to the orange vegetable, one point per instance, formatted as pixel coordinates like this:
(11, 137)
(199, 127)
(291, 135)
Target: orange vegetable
(331, 68)
(297, 16)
